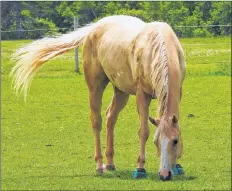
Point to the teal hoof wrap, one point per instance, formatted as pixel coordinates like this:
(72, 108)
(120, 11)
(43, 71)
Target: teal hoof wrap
(178, 170)
(139, 173)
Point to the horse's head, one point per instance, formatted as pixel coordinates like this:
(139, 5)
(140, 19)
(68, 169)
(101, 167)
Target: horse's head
(168, 142)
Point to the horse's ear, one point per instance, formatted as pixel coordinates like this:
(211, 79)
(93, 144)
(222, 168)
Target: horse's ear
(155, 122)
(174, 120)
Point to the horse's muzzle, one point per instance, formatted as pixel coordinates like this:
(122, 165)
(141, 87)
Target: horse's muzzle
(165, 177)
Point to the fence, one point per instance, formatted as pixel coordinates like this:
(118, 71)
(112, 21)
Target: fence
(31, 30)
(76, 26)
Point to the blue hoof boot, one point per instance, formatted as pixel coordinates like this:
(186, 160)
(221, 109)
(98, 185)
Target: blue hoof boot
(178, 170)
(139, 173)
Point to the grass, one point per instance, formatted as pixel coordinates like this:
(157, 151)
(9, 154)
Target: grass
(47, 143)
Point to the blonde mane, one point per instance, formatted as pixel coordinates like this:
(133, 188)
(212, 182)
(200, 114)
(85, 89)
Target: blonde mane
(159, 75)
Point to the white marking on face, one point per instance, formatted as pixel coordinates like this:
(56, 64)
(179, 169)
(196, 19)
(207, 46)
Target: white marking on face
(164, 154)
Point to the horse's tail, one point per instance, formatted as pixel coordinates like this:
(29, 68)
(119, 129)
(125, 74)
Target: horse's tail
(32, 56)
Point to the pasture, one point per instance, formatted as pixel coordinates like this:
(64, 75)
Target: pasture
(47, 143)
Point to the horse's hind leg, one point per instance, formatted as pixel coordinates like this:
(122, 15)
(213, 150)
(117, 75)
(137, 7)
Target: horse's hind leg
(95, 99)
(118, 102)
(96, 81)
(143, 102)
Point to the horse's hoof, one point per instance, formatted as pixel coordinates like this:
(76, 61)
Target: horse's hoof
(139, 173)
(110, 167)
(178, 170)
(99, 171)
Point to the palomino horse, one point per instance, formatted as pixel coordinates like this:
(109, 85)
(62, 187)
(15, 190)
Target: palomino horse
(138, 58)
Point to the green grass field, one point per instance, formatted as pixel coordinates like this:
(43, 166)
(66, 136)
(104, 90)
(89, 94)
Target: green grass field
(47, 142)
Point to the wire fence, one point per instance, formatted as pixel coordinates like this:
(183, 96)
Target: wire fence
(183, 44)
(181, 31)
(202, 26)
(32, 30)
(206, 44)
(5, 52)
(194, 49)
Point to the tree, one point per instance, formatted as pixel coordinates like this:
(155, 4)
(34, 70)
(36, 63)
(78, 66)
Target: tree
(51, 15)
(27, 15)
(85, 11)
(221, 15)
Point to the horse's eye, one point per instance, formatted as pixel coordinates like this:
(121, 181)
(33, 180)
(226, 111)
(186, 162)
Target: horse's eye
(175, 142)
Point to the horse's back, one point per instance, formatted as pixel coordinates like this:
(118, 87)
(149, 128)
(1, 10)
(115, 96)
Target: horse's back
(127, 50)
(120, 28)
(119, 31)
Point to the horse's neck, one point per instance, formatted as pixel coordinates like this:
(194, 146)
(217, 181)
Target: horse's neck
(173, 94)
(173, 105)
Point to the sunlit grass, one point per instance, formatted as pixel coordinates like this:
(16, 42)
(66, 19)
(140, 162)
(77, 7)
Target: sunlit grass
(47, 142)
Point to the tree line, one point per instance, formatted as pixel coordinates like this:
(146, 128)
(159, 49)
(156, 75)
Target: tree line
(57, 16)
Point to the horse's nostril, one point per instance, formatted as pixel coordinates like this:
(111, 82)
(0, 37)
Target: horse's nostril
(169, 175)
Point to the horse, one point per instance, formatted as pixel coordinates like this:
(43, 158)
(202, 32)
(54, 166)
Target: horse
(138, 58)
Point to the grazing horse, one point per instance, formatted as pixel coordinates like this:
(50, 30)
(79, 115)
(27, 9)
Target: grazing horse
(138, 58)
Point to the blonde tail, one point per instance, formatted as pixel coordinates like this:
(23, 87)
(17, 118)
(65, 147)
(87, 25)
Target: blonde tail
(30, 58)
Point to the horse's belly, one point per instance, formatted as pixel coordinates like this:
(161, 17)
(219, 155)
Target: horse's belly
(113, 56)
(121, 78)
(118, 71)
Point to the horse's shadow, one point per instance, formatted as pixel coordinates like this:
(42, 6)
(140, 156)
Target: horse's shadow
(127, 174)
(123, 175)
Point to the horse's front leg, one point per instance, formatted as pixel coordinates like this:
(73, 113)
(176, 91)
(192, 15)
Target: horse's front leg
(143, 101)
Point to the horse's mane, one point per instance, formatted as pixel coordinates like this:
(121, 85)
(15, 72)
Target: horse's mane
(159, 75)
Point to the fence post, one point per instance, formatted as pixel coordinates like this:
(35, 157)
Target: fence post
(17, 19)
(76, 49)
